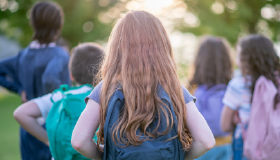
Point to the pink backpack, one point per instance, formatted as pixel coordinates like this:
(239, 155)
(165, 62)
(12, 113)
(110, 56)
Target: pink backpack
(262, 140)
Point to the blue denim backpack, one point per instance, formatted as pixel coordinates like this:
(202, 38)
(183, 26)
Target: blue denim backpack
(210, 105)
(159, 148)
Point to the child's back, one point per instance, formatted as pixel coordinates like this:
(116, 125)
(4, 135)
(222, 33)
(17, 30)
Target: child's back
(38, 69)
(62, 108)
(209, 103)
(68, 104)
(212, 73)
(257, 59)
(42, 70)
(138, 64)
(42, 66)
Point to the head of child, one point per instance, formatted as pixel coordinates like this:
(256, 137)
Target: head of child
(85, 62)
(46, 21)
(139, 59)
(212, 63)
(257, 57)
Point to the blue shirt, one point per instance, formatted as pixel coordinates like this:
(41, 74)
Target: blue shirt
(95, 94)
(37, 71)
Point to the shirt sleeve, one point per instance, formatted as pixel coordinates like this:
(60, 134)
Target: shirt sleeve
(187, 96)
(45, 104)
(233, 95)
(8, 75)
(95, 93)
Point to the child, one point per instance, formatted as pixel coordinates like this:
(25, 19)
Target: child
(38, 69)
(257, 58)
(133, 102)
(213, 70)
(83, 65)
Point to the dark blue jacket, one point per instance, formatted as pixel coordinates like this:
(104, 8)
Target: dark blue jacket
(37, 71)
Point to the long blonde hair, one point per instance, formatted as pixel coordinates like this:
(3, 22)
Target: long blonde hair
(139, 58)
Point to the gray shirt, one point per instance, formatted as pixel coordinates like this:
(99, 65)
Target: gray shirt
(95, 94)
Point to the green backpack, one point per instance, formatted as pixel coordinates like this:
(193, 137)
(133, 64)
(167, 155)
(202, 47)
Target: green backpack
(61, 121)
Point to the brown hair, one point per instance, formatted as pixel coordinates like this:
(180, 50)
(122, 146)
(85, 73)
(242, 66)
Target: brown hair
(85, 62)
(257, 58)
(47, 21)
(139, 59)
(212, 63)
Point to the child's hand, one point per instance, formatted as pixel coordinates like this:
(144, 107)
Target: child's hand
(23, 97)
(236, 119)
(101, 146)
(47, 143)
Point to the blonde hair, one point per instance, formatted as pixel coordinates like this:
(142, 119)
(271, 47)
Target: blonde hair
(139, 59)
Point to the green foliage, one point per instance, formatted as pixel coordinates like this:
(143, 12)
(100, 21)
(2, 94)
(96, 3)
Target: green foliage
(15, 25)
(239, 17)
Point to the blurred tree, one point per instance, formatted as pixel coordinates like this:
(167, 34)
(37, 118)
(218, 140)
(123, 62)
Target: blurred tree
(91, 20)
(233, 18)
(85, 20)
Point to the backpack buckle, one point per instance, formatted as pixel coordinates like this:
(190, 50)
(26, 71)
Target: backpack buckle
(64, 87)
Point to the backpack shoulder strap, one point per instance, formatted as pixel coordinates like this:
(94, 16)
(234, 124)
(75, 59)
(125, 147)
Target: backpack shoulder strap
(118, 95)
(63, 88)
(216, 88)
(211, 91)
(164, 96)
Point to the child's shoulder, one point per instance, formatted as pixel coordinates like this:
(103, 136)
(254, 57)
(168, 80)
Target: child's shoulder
(55, 51)
(75, 90)
(59, 51)
(81, 89)
(240, 85)
(57, 95)
(239, 81)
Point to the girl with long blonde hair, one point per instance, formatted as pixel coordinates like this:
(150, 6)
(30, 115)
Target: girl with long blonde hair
(140, 63)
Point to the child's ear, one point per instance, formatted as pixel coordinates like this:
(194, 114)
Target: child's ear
(71, 77)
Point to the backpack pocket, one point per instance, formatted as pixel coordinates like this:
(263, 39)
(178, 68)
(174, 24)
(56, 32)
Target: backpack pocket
(160, 153)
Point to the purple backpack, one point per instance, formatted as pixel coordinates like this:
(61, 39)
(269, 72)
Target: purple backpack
(262, 137)
(210, 105)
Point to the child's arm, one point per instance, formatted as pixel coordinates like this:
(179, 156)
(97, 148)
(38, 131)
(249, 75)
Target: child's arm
(227, 118)
(203, 139)
(26, 115)
(7, 68)
(85, 129)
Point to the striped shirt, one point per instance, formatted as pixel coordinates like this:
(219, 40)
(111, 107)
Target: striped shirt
(238, 97)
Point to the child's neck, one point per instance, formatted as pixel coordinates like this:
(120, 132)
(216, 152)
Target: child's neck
(75, 84)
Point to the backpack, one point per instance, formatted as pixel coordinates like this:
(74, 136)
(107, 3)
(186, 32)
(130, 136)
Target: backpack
(159, 148)
(262, 140)
(61, 121)
(210, 105)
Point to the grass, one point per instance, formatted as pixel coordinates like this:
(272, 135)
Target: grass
(9, 128)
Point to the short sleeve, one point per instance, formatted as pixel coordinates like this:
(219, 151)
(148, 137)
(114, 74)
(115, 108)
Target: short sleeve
(95, 93)
(187, 96)
(233, 95)
(44, 104)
